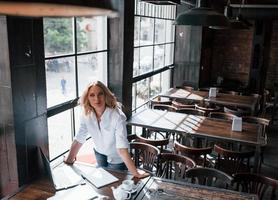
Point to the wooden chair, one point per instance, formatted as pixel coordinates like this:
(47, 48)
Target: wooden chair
(179, 105)
(131, 137)
(236, 111)
(207, 108)
(174, 166)
(160, 100)
(232, 162)
(144, 155)
(263, 186)
(191, 111)
(220, 115)
(209, 177)
(264, 123)
(164, 107)
(160, 144)
(199, 155)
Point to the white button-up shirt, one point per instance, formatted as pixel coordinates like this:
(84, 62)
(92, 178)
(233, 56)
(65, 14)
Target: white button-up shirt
(109, 135)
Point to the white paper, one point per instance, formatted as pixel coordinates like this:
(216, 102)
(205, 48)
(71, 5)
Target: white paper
(212, 92)
(237, 124)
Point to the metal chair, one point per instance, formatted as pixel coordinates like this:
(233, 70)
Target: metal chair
(174, 166)
(209, 177)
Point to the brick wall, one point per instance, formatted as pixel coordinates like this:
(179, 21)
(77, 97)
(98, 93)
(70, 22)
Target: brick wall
(232, 54)
(272, 71)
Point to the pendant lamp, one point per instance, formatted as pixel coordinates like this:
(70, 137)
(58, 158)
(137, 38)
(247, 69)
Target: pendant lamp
(57, 8)
(163, 2)
(202, 16)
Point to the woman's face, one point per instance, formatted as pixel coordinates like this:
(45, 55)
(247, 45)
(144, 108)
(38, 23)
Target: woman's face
(96, 97)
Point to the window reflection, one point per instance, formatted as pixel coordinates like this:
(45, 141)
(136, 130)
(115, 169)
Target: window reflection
(59, 133)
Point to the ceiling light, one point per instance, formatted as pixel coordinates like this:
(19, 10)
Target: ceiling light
(202, 16)
(163, 2)
(61, 8)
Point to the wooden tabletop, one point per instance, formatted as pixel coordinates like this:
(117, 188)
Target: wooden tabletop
(168, 189)
(196, 125)
(42, 189)
(221, 98)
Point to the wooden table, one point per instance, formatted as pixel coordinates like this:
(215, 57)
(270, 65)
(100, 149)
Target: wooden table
(248, 102)
(164, 189)
(42, 188)
(199, 126)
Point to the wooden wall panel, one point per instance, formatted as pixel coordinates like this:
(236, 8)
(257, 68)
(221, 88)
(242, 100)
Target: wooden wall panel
(8, 162)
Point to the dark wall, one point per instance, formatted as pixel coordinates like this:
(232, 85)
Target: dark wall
(8, 161)
(29, 92)
(231, 56)
(272, 72)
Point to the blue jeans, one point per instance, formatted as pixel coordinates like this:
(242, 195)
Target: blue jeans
(102, 162)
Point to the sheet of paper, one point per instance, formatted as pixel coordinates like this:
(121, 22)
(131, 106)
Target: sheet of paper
(97, 176)
(80, 192)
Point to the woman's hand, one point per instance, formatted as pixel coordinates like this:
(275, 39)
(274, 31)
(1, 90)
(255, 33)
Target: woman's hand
(141, 174)
(68, 160)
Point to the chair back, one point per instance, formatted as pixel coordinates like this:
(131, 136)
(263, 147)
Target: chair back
(258, 120)
(160, 100)
(144, 155)
(207, 108)
(191, 111)
(164, 107)
(199, 155)
(174, 166)
(159, 143)
(256, 184)
(233, 162)
(209, 177)
(220, 115)
(131, 137)
(236, 111)
(179, 105)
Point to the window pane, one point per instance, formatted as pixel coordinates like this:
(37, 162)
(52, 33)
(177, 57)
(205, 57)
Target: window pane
(142, 93)
(136, 71)
(146, 32)
(91, 34)
(159, 36)
(166, 77)
(146, 59)
(155, 82)
(133, 96)
(170, 31)
(136, 31)
(60, 80)
(91, 67)
(169, 54)
(159, 56)
(59, 133)
(58, 36)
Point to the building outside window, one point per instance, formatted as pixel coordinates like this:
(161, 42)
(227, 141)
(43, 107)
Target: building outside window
(75, 55)
(153, 50)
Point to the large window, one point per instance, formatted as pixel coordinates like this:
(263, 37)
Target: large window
(153, 50)
(75, 55)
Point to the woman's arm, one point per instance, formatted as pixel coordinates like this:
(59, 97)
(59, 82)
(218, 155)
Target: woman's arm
(130, 164)
(73, 152)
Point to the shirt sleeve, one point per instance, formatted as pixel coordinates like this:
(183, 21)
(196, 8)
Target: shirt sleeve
(121, 133)
(82, 132)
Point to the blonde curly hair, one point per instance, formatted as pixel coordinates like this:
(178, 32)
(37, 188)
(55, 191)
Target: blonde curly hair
(110, 99)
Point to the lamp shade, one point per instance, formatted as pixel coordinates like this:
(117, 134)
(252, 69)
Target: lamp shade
(202, 16)
(163, 2)
(54, 8)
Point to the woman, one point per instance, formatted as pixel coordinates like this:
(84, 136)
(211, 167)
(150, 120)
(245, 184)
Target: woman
(105, 122)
